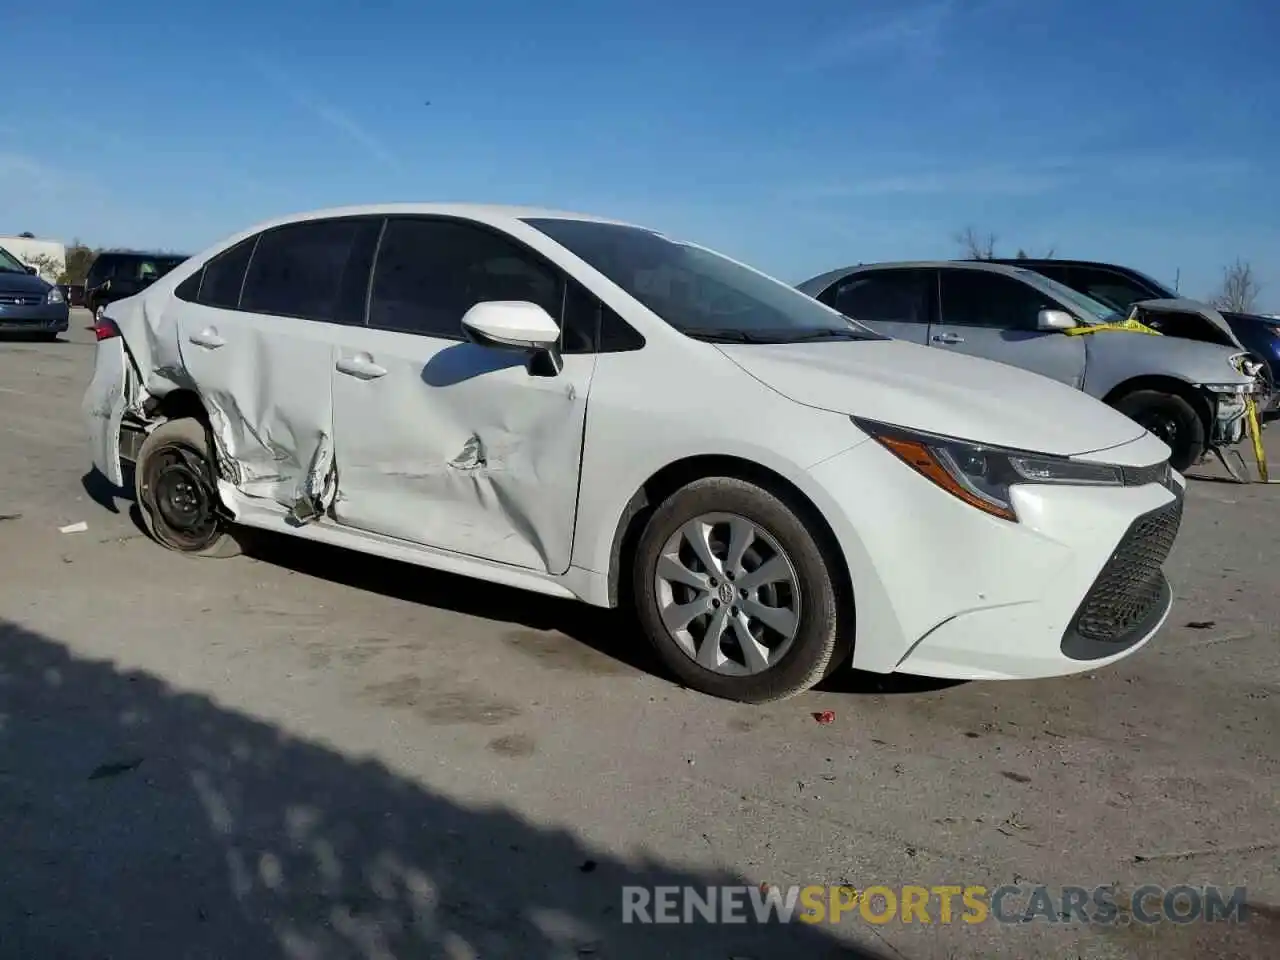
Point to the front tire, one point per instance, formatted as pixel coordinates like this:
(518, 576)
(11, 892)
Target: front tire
(177, 494)
(735, 594)
(1171, 418)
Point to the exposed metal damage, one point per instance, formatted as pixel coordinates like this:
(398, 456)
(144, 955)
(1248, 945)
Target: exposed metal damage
(452, 450)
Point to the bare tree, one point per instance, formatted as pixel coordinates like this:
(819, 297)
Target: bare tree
(47, 266)
(1239, 291)
(977, 247)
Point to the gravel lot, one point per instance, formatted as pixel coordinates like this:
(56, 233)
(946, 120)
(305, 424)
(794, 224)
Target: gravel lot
(313, 754)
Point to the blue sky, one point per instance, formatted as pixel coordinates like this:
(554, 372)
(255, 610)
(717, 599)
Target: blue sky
(798, 136)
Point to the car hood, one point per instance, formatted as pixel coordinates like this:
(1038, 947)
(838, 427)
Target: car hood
(1198, 310)
(22, 283)
(933, 390)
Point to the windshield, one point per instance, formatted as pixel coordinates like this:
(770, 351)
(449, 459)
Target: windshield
(702, 294)
(9, 263)
(1092, 309)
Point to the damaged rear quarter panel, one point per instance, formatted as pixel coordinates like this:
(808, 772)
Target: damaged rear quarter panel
(460, 447)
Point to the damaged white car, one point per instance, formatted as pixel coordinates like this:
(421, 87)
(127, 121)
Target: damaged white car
(592, 410)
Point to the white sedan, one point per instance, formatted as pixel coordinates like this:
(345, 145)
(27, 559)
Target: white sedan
(593, 410)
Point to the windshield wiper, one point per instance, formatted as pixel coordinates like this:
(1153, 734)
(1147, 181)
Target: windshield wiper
(722, 335)
(831, 333)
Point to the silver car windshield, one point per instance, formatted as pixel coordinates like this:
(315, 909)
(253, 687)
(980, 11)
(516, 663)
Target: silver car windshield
(699, 292)
(1092, 309)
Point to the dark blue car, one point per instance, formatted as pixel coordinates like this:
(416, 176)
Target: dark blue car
(1121, 287)
(28, 304)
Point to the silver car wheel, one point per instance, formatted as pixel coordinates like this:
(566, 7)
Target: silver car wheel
(728, 594)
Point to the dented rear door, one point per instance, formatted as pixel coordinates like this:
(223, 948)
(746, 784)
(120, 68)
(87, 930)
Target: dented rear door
(261, 359)
(445, 443)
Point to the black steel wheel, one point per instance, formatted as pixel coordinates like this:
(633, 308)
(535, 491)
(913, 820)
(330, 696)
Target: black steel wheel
(177, 493)
(1171, 418)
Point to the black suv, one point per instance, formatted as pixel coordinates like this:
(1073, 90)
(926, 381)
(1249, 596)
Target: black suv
(119, 274)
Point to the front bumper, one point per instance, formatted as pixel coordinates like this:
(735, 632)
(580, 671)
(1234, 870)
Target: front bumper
(944, 590)
(19, 316)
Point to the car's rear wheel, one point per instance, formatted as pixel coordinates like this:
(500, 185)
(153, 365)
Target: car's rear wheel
(1171, 418)
(177, 493)
(735, 594)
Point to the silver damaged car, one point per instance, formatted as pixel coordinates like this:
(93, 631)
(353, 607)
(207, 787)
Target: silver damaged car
(1188, 393)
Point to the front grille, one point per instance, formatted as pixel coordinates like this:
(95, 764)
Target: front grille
(1139, 476)
(1131, 587)
(20, 300)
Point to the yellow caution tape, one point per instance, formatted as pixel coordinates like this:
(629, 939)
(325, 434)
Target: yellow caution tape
(1255, 433)
(1130, 325)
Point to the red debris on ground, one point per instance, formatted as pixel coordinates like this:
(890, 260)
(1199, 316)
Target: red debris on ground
(826, 716)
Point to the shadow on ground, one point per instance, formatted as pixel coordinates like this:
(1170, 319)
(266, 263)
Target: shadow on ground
(143, 822)
(613, 633)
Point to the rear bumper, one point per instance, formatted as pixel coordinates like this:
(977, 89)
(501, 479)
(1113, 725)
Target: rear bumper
(41, 318)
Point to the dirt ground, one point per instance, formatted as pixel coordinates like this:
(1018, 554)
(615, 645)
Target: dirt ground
(306, 753)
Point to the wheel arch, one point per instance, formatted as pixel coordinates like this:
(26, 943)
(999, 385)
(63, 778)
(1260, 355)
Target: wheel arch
(1166, 384)
(678, 473)
(179, 403)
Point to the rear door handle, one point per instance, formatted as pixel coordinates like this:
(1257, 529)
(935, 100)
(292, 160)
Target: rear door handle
(361, 366)
(208, 337)
(947, 338)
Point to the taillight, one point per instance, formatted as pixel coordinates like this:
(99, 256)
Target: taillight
(105, 329)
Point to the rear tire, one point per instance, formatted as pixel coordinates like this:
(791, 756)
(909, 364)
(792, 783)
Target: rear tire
(1171, 418)
(757, 576)
(177, 494)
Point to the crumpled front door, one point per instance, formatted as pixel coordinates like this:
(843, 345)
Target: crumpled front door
(458, 446)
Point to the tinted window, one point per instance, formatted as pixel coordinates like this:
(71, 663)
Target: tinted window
(431, 272)
(1113, 289)
(100, 272)
(224, 276)
(976, 298)
(893, 296)
(189, 289)
(299, 270)
(1054, 271)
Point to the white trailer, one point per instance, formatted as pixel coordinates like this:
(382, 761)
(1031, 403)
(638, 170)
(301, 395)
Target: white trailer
(48, 256)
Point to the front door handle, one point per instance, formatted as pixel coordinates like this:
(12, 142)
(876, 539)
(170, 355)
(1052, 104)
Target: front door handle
(208, 337)
(947, 338)
(361, 366)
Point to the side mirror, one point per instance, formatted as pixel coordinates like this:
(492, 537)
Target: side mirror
(31, 269)
(1055, 320)
(514, 325)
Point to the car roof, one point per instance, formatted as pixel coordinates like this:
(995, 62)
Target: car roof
(831, 276)
(1016, 261)
(497, 214)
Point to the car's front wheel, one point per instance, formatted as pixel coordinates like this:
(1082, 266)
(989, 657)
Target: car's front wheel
(1171, 418)
(177, 494)
(734, 592)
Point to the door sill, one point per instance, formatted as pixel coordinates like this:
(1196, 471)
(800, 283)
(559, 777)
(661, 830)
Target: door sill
(273, 517)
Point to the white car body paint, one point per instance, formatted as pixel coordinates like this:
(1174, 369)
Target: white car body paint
(452, 456)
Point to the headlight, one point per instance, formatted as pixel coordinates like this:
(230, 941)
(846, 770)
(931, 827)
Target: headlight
(981, 475)
(1249, 366)
(54, 296)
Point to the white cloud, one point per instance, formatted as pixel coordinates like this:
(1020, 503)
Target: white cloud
(328, 114)
(916, 32)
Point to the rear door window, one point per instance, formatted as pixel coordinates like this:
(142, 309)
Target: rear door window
(888, 296)
(308, 270)
(224, 276)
